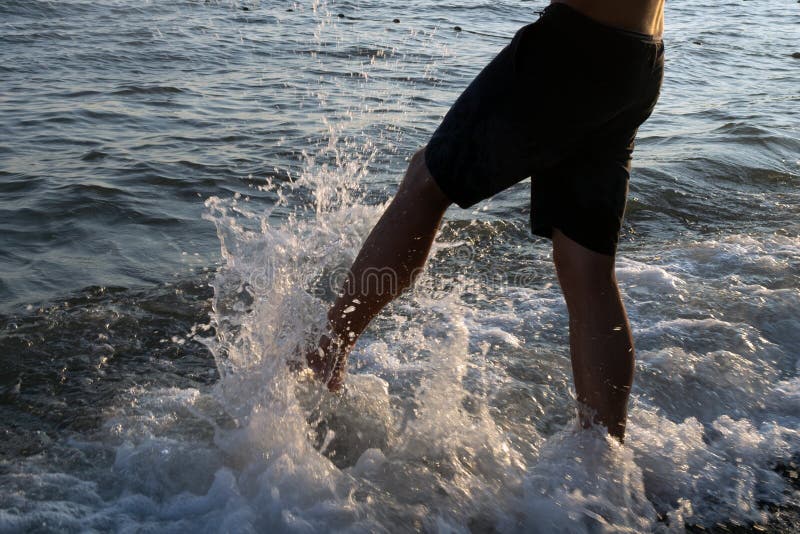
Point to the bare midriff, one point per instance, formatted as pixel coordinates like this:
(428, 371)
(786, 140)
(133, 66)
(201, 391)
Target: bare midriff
(642, 16)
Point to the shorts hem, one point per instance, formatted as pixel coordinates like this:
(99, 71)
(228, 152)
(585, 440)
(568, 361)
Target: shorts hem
(446, 186)
(543, 230)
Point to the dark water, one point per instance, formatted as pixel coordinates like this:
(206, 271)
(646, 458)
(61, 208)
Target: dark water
(180, 179)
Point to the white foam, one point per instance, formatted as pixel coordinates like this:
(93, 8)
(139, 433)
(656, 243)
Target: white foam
(416, 441)
(457, 417)
(584, 481)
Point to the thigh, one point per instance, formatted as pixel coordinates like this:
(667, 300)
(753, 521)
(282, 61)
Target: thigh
(488, 139)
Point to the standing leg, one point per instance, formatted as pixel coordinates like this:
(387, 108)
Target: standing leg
(600, 339)
(389, 261)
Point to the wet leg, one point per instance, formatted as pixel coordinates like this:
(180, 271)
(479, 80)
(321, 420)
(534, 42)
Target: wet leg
(389, 261)
(601, 345)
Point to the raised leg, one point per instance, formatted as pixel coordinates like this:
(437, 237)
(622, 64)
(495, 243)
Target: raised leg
(389, 261)
(600, 339)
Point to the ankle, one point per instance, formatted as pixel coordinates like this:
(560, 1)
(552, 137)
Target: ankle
(615, 424)
(328, 359)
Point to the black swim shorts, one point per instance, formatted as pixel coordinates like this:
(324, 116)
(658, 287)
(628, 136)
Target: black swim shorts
(561, 104)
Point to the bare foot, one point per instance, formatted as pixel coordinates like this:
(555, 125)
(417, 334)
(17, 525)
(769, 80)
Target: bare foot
(329, 363)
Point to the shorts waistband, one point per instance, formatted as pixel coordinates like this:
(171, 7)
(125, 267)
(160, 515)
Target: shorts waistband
(559, 13)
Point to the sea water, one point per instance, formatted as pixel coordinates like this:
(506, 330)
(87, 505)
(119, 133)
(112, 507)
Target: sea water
(185, 185)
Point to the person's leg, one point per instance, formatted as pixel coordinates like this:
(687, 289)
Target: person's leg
(389, 260)
(600, 339)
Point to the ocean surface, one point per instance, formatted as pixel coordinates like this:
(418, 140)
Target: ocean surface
(183, 182)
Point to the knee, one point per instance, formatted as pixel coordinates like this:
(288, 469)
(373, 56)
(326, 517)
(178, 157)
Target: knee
(580, 268)
(420, 184)
(418, 175)
(418, 160)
